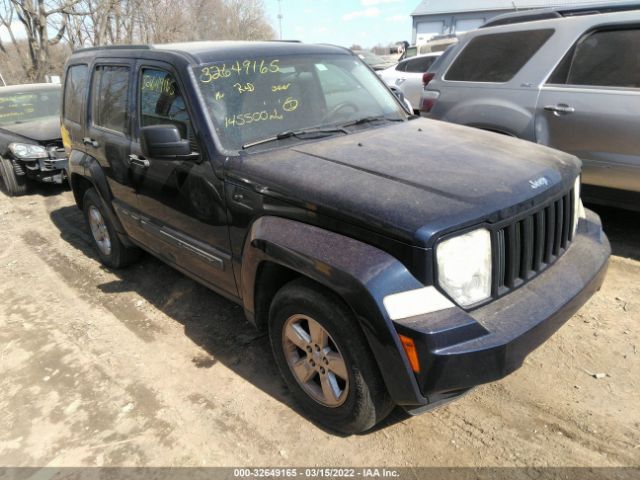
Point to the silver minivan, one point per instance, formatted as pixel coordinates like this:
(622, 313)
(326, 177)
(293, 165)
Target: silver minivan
(568, 81)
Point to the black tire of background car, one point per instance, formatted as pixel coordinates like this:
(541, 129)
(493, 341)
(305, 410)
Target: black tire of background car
(121, 255)
(14, 185)
(368, 401)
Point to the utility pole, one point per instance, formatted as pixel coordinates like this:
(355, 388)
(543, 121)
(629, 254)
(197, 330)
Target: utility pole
(280, 17)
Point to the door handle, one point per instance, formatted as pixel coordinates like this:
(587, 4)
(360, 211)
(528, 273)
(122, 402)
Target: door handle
(561, 108)
(90, 141)
(138, 161)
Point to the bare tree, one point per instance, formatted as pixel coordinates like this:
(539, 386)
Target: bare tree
(244, 20)
(161, 21)
(37, 18)
(59, 24)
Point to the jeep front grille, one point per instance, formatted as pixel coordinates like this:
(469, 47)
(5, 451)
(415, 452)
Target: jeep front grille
(527, 246)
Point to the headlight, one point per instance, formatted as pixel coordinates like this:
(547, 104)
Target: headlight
(25, 150)
(464, 266)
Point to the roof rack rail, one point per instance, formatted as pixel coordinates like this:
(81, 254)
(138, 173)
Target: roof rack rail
(114, 47)
(523, 16)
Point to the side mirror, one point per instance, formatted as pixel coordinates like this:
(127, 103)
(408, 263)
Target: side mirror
(403, 100)
(163, 141)
(399, 95)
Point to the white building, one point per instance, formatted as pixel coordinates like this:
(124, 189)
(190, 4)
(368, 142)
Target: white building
(437, 17)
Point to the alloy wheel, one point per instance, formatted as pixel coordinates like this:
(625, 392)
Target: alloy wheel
(99, 230)
(315, 360)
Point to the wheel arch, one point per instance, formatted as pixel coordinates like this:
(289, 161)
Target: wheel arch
(278, 250)
(79, 186)
(494, 114)
(84, 173)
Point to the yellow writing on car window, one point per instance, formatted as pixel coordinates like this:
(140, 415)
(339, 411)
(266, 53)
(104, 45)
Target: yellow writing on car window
(157, 84)
(290, 104)
(243, 88)
(278, 88)
(17, 114)
(238, 68)
(242, 119)
(17, 98)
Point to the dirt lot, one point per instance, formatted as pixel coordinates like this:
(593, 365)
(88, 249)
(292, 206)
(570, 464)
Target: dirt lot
(145, 367)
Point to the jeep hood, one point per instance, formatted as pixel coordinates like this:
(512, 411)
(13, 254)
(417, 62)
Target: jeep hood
(42, 130)
(412, 180)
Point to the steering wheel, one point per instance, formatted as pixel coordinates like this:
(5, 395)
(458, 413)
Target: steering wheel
(341, 106)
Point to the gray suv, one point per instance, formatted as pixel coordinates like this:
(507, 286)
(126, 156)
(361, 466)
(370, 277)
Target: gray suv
(567, 80)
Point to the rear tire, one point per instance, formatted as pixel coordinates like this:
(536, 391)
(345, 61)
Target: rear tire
(111, 250)
(337, 385)
(14, 184)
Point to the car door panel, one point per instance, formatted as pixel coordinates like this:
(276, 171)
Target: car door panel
(590, 105)
(107, 134)
(602, 130)
(181, 200)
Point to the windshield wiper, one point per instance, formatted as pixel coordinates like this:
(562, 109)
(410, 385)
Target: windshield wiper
(371, 119)
(313, 132)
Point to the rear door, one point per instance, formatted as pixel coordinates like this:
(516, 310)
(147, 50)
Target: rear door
(181, 200)
(108, 131)
(74, 106)
(590, 107)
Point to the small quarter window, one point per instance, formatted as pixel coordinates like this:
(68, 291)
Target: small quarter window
(496, 57)
(608, 58)
(75, 92)
(420, 64)
(401, 67)
(110, 98)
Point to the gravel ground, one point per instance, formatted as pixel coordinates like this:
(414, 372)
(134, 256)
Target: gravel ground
(145, 367)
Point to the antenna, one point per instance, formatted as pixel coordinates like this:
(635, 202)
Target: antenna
(280, 17)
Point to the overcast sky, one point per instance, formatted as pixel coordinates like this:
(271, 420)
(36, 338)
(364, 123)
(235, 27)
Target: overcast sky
(344, 22)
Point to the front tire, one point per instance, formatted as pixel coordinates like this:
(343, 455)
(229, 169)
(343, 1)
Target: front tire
(111, 250)
(325, 360)
(14, 185)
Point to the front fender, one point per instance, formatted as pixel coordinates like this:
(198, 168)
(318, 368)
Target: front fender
(361, 274)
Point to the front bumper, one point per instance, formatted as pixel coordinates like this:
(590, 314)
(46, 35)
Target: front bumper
(48, 170)
(459, 350)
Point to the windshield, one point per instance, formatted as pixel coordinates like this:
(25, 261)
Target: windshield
(19, 107)
(253, 99)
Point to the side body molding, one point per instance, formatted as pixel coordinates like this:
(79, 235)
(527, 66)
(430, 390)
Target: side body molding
(360, 274)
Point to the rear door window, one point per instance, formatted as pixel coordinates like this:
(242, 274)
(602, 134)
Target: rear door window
(420, 64)
(496, 57)
(110, 97)
(609, 58)
(75, 92)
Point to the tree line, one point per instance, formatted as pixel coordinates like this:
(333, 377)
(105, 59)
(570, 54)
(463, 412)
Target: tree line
(38, 35)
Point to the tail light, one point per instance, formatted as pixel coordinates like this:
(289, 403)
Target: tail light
(427, 77)
(428, 100)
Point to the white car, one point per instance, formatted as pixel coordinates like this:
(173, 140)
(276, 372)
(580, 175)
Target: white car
(407, 76)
